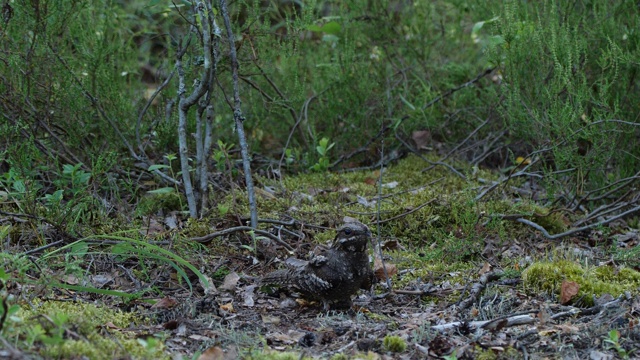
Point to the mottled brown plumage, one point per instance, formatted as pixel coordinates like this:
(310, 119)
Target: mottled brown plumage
(333, 275)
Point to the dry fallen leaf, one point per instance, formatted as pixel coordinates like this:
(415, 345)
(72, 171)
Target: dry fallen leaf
(379, 269)
(485, 269)
(165, 303)
(568, 290)
(421, 138)
(230, 281)
(70, 279)
(111, 325)
(212, 353)
(153, 227)
(391, 245)
(370, 181)
(247, 295)
(228, 307)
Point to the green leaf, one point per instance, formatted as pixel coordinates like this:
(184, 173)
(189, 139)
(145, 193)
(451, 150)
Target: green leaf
(495, 40)
(80, 248)
(406, 102)
(164, 190)
(158, 166)
(175, 260)
(18, 186)
(478, 26)
(223, 209)
(331, 28)
(330, 38)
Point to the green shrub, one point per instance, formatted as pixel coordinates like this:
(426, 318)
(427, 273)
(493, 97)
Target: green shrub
(568, 71)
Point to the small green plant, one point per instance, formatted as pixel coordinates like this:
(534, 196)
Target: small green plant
(289, 157)
(339, 357)
(55, 335)
(221, 273)
(613, 342)
(150, 344)
(167, 190)
(422, 334)
(221, 155)
(322, 149)
(75, 178)
(223, 209)
(394, 344)
(71, 202)
(254, 247)
(13, 184)
(170, 158)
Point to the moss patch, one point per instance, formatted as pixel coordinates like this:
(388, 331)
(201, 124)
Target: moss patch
(593, 281)
(67, 330)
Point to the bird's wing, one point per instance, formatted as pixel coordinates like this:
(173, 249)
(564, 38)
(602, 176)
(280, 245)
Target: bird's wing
(318, 261)
(312, 283)
(296, 263)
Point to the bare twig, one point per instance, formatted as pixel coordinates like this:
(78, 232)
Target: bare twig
(576, 230)
(186, 102)
(94, 101)
(378, 222)
(407, 212)
(510, 321)
(455, 148)
(238, 117)
(478, 287)
(589, 311)
(148, 105)
(617, 186)
(388, 127)
(209, 237)
(617, 205)
(504, 180)
(432, 163)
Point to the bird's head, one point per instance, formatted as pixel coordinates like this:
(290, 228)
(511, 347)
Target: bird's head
(352, 236)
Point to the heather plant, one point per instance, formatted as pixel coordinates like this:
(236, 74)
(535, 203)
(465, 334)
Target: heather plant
(569, 83)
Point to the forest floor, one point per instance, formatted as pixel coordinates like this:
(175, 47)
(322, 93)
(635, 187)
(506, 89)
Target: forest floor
(466, 281)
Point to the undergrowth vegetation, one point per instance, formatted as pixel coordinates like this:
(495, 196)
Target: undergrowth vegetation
(466, 131)
(561, 96)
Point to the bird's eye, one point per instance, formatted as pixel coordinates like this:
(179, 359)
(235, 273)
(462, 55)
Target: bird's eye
(347, 231)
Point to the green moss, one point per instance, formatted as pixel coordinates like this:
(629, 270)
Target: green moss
(511, 353)
(485, 354)
(152, 203)
(274, 355)
(596, 281)
(426, 263)
(94, 338)
(339, 357)
(441, 220)
(394, 344)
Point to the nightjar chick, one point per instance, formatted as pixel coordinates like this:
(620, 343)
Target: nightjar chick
(333, 275)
